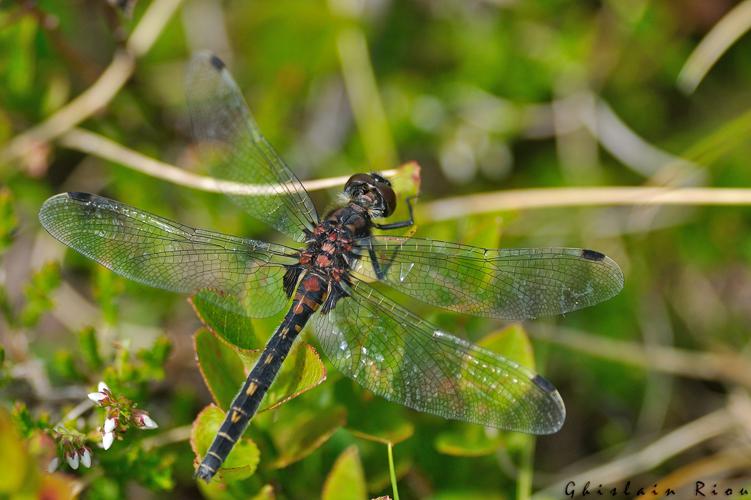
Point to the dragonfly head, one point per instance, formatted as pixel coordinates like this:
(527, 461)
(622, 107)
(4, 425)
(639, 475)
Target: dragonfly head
(372, 192)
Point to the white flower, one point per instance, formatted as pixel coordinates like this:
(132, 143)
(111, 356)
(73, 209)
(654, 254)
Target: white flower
(97, 397)
(103, 394)
(72, 459)
(53, 465)
(143, 420)
(107, 439)
(86, 457)
(109, 425)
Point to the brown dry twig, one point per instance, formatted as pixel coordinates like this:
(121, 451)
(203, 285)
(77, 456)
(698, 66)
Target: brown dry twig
(463, 206)
(647, 457)
(729, 367)
(94, 144)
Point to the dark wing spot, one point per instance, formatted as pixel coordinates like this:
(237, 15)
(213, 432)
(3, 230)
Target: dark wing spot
(217, 63)
(543, 383)
(592, 255)
(78, 196)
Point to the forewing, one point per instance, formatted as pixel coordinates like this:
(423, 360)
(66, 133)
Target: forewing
(165, 254)
(515, 284)
(236, 151)
(404, 359)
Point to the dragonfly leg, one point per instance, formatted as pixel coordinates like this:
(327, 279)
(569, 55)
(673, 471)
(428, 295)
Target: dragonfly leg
(291, 277)
(380, 267)
(404, 223)
(379, 272)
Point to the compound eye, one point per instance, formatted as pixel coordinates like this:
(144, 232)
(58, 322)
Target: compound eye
(379, 178)
(357, 180)
(389, 198)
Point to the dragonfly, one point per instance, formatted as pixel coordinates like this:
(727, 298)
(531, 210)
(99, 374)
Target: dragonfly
(327, 278)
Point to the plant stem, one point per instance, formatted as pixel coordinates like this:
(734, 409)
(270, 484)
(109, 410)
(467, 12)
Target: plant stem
(392, 472)
(102, 147)
(524, 479)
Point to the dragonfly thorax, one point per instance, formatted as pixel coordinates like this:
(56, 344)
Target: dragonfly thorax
(329, 250)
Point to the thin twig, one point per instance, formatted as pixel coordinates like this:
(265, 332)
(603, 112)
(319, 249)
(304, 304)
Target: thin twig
(697, 431)
(724, 34)
(176, 435)
(525, 199)
(448, 208)
(719, 464)
(728, 367)
(76, 411)
(102, 91)
(97, 145)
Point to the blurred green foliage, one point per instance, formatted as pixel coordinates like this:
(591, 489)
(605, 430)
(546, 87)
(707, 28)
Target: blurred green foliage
(485, 95)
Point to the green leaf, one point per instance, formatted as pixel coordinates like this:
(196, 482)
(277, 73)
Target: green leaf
(302, 371)
(220, 365)
(20, 64)
(8, 220)
(224, 316)
(346, 481)
(468, 441)
(64, 365)
(513, 343)
(38, 293)
(88, 345)
(107, 288)
(155, 357)
(406, 183)
(225, 367)
(305, 434)
(382, 430)
(5, 308)
(407, 179)
(242, 460)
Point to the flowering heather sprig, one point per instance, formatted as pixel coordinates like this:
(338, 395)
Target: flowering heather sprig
(74, 451)
(121, 414)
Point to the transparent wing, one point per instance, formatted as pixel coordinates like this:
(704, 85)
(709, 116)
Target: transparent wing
(164, 254)
(404, 359)
(236, 151)
(517, 283)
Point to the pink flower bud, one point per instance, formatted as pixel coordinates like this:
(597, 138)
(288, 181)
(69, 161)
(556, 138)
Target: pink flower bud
(143, 420)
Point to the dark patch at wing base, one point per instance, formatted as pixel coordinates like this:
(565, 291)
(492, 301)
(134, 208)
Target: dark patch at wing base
(593, 255)
(217, 63)
(77, 195)
(543, 383)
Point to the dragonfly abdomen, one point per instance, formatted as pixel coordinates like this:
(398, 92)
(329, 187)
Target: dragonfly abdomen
(310, 294)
